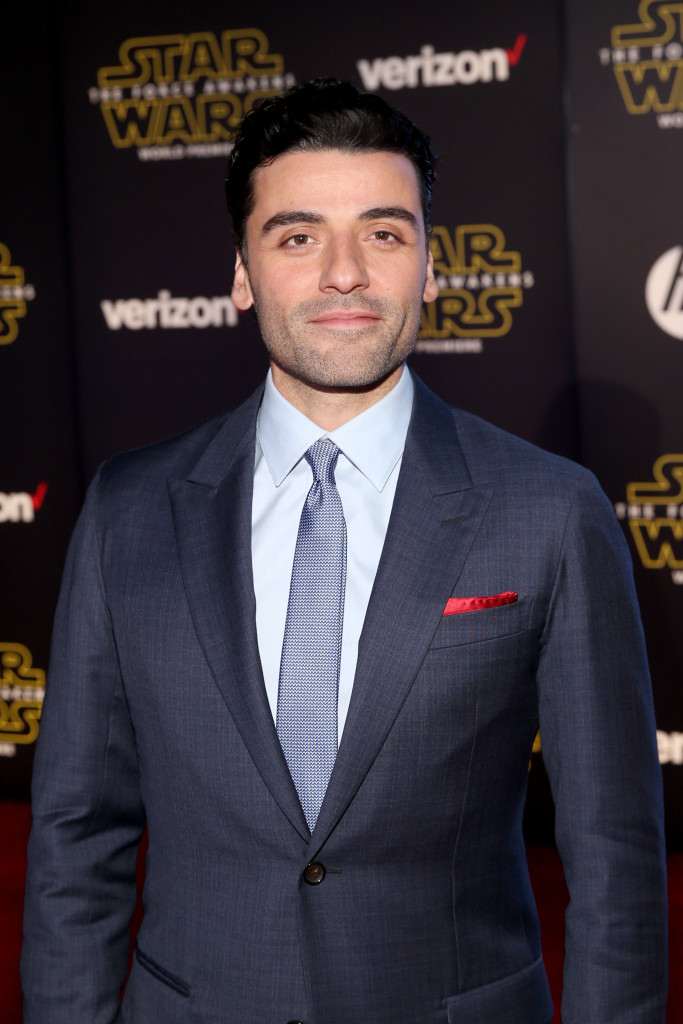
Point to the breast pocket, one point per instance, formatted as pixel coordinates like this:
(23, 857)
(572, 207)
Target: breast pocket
(485, 624)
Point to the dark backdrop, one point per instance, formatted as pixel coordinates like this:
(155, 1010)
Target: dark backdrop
(559, 134)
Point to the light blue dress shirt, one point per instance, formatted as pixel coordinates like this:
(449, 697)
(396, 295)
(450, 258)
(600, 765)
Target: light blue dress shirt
(371, 448)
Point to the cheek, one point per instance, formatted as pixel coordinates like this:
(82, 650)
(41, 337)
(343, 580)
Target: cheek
(403, 280)
(285, 288)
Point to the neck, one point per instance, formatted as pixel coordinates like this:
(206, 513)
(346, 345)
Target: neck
(330, 408)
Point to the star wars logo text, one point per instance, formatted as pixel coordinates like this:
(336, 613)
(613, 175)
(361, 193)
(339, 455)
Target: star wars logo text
(647, 60)
(654, 512)
(177, 96)
(480, 283)
(429, 68)
(14, 295)
(22, 689)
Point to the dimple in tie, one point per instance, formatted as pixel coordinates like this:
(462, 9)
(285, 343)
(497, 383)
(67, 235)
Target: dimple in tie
(311, 650)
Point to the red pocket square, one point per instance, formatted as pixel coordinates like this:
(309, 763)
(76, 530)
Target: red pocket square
(454, 605)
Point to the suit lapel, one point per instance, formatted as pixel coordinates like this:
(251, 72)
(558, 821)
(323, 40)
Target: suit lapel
(435, 518)
(212, 518)
(436, 515)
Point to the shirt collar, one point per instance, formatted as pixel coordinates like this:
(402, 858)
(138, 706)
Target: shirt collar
(373, 441)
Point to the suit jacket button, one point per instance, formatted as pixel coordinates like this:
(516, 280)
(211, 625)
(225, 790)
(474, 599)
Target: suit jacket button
(314, 873)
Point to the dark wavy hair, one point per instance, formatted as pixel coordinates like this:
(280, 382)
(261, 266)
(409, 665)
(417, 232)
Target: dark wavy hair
(322, 114)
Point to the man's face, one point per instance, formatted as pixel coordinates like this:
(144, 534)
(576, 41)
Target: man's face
(338, 266)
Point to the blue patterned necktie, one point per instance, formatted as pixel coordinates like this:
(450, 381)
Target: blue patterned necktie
(309, 669)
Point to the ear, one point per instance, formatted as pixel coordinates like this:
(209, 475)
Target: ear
(431, 288)
(242, 295)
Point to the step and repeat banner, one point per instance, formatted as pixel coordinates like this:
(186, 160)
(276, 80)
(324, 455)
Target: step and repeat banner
(40, 485)
(625, 76)
(116, 324)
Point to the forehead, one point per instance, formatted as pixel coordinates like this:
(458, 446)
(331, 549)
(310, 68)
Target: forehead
(335, 180)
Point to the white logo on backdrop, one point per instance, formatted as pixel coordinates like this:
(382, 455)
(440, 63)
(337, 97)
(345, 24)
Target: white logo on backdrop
(429, 68)
(169, 311)
(664, 292)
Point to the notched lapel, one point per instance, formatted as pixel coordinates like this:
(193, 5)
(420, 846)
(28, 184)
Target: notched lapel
(212, 519)
(436, 516)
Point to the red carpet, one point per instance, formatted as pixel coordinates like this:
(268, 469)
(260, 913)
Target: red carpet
(16, 821)
(546, 875)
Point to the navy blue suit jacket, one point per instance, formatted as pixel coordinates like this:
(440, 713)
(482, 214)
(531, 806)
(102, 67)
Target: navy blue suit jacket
(156, 713)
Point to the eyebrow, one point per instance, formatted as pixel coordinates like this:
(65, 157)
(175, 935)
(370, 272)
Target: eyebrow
(286, 218)
(390, 213)
(283, 220)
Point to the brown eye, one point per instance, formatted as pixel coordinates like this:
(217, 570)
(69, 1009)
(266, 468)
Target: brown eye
(384, 236)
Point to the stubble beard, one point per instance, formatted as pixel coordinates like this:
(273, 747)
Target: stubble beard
(329, 358)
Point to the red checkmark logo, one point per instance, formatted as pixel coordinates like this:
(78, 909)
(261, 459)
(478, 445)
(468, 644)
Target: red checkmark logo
(39, 497)
(516, 52)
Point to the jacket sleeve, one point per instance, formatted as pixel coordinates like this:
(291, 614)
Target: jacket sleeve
(87, 811)
(599, 748)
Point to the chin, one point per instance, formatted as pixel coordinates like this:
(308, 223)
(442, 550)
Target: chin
(344, 379)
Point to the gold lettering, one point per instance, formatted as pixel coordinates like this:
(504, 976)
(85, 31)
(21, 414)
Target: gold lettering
(177, 121)
(11, 309)
(245, 52)
(202, 58)
(19, 716)
(459, 313)
(477, 247)
(657, 25)
(667, 487)
(659, 542)
(651, 85)
(144, 59)
(482, 247)
(218, 117)
(131, 122)
(164, 59)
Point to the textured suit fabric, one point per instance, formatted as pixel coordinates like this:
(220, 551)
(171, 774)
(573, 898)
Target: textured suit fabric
(156, 712)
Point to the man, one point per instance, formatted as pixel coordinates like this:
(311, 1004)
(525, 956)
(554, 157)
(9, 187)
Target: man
(343, 561)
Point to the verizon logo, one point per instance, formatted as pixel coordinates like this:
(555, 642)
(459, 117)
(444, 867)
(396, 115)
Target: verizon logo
(670, 747)
(429, 68)
(169, 312)
(21, 506)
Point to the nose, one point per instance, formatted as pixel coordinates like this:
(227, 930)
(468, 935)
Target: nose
(344, 267)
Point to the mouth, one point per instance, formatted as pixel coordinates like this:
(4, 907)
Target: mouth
(345, 319)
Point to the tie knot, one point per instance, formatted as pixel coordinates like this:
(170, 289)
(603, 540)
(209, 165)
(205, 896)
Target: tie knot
(322, 458)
